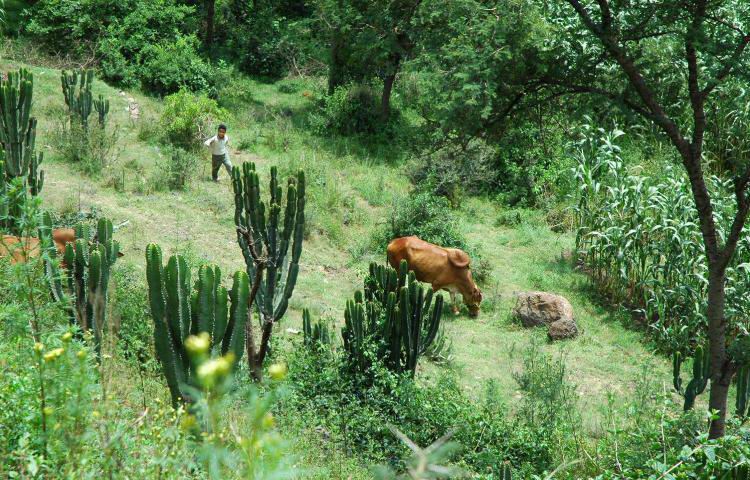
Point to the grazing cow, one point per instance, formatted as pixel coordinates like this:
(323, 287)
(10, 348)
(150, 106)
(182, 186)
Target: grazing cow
(21, 249)
(443, 268)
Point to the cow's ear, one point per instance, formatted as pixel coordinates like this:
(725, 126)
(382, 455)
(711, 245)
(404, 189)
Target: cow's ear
(458, 258)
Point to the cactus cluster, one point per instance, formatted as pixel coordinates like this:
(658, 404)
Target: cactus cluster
(18, 136)
(265, 237)
(701, 375)
(178, 313)
(76, 87)
(314, 334)
(395, 314)
(506, 472)
(87, 266)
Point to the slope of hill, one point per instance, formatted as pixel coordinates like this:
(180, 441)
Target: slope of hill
(352, 189)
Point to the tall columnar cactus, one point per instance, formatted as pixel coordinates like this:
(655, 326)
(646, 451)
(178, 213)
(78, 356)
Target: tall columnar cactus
(701, 375)
(397, 314)
(18, 137)
(101, 105)
(743, 391)
(76, 87)
(177, 314)
(87, 266)
(314, 334)
(265, 237)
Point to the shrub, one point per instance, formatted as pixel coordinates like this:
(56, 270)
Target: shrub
(92, 150)
(453, 171)
(189, 118)
(349, 110)
(175, 169)
(170, 66)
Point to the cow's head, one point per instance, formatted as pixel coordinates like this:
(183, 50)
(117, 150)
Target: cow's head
(473, 300)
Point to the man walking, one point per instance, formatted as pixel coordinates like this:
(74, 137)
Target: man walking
(219, 152)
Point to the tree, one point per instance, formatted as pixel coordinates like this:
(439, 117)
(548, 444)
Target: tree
(666, 62)
(210, 7)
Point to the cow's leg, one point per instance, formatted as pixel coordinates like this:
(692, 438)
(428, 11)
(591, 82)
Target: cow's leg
(454, 304)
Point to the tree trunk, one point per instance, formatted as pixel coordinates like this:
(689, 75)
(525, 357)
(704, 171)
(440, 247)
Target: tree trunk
(210, 6)
(336, 65)
(717, 345)
(385, 101)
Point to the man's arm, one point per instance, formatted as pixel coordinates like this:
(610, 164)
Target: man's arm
(210, 141)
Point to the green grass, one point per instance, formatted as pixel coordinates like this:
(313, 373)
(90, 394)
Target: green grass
(351, 188)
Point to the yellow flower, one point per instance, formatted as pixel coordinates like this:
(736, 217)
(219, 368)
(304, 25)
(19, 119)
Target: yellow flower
(67, 336)
(81, 354)
(38, 347)
(53, 354)
(95, 414)
(198, 345)
(268, 420)
(208, 372)
(278, 371)
(48, 411)
(187, 422)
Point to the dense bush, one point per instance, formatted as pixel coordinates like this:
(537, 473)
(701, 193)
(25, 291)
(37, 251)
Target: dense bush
(454, 171)
(358, 414)
(188, 119)
(170, 66)
(352, 109)
(175, 169)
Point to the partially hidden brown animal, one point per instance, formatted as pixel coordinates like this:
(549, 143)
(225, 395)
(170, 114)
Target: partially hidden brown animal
(443, 268)
(20, 249)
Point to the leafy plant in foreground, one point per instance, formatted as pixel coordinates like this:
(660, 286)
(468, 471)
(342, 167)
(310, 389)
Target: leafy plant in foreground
(178, 313)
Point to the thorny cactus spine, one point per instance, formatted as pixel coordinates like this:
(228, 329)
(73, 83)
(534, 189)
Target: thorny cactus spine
(178, 314)
(265, 239)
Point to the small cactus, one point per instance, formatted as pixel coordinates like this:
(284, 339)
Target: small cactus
(76, 87)
(210, 310)
(743, 391)
(701, 375)
(101, 105)
(314, 335)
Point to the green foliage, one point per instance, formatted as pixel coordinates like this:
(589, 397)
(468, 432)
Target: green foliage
(189, 118)
(640, 240)
(265, 237)
(92, 150)
(743, 392)
(18, 136)
(130, 309)
(177, 314)
(394, 321)
(171, 66)
(176, 169)
(454, 171)
(350, 110)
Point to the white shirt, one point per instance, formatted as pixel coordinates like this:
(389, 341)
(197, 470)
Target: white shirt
(218, 145)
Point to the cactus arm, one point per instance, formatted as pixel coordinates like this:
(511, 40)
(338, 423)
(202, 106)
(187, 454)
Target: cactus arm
(234, 337)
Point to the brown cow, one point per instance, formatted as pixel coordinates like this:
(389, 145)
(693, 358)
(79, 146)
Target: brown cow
(20, 249)
(443, 268)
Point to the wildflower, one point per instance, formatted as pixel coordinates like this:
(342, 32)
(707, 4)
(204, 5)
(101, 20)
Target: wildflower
(67, 336)
(95, 414)
(268, 420)
(81, 354)
(187, 422)
(53, 354)
(48, 411)
(278, 371)
(38, 347)
(198, 345)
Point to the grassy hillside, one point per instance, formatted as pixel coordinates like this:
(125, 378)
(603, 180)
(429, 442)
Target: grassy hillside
(352, 189)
